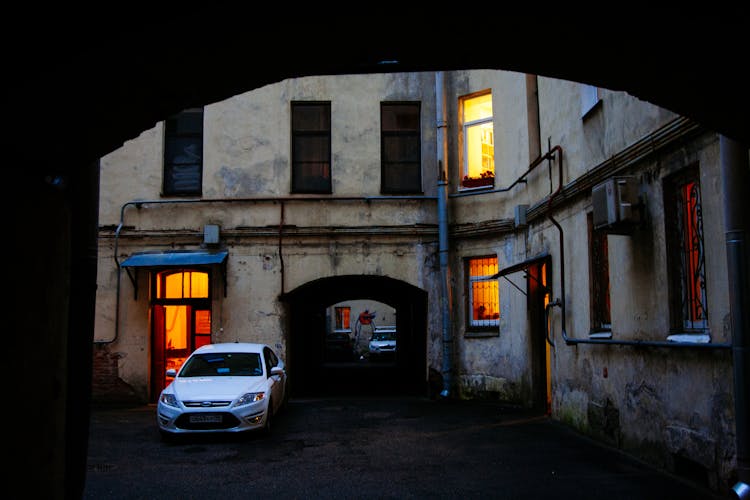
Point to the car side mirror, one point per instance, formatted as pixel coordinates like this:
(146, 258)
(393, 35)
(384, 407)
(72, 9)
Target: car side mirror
(277, 370)
(172, 373)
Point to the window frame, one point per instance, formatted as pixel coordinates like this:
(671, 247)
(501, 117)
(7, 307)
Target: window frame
(403, 135)
(487, 324)
(176, 131)
(300, 184)
(600, 290)
(342, 319)
(685, 273)
(466, 182)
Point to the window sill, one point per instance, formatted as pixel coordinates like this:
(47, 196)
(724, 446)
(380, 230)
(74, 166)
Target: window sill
(600, 335)
(478, 184)
(481, 335)
(690, 338)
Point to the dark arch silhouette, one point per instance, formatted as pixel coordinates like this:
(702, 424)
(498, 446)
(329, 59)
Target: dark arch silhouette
(310, 374)
(78, 84)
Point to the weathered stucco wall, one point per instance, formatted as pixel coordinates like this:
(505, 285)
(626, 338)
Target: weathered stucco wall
(665, 404)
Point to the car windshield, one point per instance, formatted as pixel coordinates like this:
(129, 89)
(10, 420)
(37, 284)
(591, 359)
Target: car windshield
(383, 336)
(234, 364)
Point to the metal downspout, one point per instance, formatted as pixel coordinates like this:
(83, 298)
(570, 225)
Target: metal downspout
(281, 243)
(445, 288)
(735, 173)
(119, 281)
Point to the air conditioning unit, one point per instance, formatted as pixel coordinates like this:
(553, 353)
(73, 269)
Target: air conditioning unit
(616, 205)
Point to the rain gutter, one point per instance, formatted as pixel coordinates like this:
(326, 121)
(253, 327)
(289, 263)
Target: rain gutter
(736, 178)
(445, 288)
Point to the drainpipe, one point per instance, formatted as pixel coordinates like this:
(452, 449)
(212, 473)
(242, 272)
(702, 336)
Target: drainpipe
(445, 286)
(281, 242)
(736, 177)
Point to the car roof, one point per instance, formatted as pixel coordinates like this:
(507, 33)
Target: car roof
(232, 347)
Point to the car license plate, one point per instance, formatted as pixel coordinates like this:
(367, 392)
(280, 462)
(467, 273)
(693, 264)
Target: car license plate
(205, 419)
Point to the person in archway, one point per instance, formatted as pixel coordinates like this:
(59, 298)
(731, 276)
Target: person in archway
(365, 318)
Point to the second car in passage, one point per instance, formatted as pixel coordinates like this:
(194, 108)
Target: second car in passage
(383, 343)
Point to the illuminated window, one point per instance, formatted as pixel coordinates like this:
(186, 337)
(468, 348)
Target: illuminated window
(400, 152)
(202, 327)
(478, 142)
(483, 292)
(182, 285)
(599, 273)
(183, 153)
(311, 147)
(687, 270)
(342, 318)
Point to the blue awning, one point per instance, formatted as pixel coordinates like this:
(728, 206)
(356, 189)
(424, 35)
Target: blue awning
(175, 258)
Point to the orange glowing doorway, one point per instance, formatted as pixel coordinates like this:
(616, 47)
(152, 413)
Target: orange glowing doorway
(181, 321)
(538, 298)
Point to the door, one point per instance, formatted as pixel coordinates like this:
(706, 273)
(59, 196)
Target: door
(538, 297)
(181, 321)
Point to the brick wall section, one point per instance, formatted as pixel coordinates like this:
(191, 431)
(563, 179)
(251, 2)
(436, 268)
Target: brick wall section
(106, 385)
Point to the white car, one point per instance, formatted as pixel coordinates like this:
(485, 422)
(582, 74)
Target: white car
(383, 342)
(228, 387)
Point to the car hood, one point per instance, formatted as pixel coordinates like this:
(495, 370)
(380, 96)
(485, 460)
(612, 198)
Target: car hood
(215, 388)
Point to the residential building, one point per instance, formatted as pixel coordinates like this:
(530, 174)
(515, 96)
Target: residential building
(571, 235)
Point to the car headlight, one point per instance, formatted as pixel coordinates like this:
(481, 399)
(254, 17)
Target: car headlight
(250, 397)
(169, 400)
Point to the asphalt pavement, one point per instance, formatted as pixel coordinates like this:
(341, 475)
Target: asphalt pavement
(371, 448)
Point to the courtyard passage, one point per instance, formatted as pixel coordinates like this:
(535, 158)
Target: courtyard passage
(368, 448)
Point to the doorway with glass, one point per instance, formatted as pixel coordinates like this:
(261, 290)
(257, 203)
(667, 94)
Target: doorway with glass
(180, 320)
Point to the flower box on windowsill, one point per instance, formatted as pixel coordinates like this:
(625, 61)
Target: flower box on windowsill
(475, 183)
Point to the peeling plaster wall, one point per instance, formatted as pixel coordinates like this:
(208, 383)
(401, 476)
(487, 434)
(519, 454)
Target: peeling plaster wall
(246, 156)
(665, 405)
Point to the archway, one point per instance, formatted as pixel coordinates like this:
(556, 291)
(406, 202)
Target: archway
(311, 375)
(122, 73)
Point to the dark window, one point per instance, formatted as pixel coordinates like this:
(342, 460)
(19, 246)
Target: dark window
(687, 270)
(599, 272)
(270, 359)
(400, 148)
(183, 153)
(311, 147)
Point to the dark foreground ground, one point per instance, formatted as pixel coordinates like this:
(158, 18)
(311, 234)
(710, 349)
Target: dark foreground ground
(370, 448)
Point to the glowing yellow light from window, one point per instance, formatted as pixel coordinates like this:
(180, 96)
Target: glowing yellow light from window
(483, 267)
(479, 137)
(198, 285)
(192, 284)
(484, 292)
(478, 108)
(176, 326)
